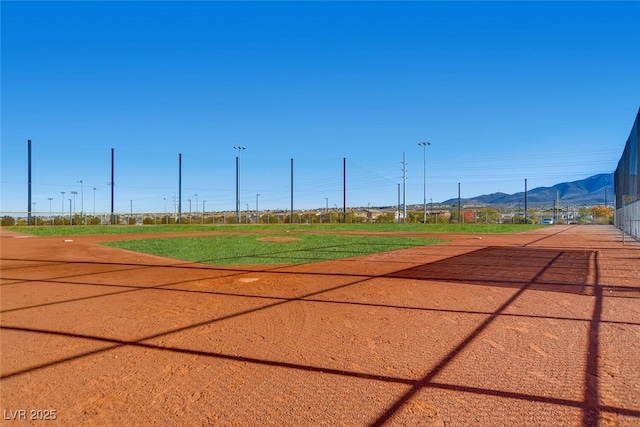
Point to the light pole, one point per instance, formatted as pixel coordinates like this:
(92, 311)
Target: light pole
(62, 210)
(94, 202)
(35, 218)
(203, 202)
(424, 148)
(50, 216)
(239, 148)
(404, 187)
(165, 210)
(189, 200)
(81, 198)
(257, 212)
(74, 201)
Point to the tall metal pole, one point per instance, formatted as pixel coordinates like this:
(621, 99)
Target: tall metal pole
(239, 148)
(179, 188)
(113, 184)
(81, 199)
(404, 187)
(459, 207)
(525, 202)
(424, 186)
(238, 189)
(257, 211)
(29, 182)
(74, 201)
(344, 189)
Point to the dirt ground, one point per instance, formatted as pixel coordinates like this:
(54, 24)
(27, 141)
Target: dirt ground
(540, 328)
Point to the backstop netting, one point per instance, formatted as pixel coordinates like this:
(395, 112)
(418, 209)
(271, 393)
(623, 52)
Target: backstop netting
(627, 185)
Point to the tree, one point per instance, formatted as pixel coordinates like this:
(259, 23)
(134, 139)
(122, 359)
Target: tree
(583, 215)
(602, 214)
(386, 218)
(488, 215)
(8, 221)
(468, 217)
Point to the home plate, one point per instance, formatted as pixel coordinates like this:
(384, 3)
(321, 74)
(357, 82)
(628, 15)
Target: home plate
(248, 279)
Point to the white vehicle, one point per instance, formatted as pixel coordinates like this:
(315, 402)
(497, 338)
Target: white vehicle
(547, 221)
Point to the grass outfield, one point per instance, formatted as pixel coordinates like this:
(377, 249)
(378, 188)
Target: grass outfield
(253, 249)
(186, 228)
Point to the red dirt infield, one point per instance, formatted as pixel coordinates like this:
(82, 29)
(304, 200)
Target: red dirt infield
(540, 328)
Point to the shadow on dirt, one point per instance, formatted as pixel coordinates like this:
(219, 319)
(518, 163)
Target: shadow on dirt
(513, 267)
(520, 268)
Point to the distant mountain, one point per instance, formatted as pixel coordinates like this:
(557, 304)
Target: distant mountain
(588, 191)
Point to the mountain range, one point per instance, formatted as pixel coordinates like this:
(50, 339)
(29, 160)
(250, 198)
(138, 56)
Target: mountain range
(595, 190)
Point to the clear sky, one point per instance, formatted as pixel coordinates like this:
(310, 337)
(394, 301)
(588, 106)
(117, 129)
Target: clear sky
(503, 91)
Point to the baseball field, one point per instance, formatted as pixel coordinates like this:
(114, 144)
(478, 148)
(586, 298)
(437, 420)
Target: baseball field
(538, 328)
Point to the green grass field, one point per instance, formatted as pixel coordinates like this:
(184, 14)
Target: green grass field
(187, 228)
(252, 249)
(246, 247)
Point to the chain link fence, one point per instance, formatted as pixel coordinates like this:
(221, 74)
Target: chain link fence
(628, 216)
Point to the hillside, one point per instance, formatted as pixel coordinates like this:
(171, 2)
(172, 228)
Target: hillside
(588, 191)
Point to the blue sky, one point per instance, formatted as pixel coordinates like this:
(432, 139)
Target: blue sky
(504, 91)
